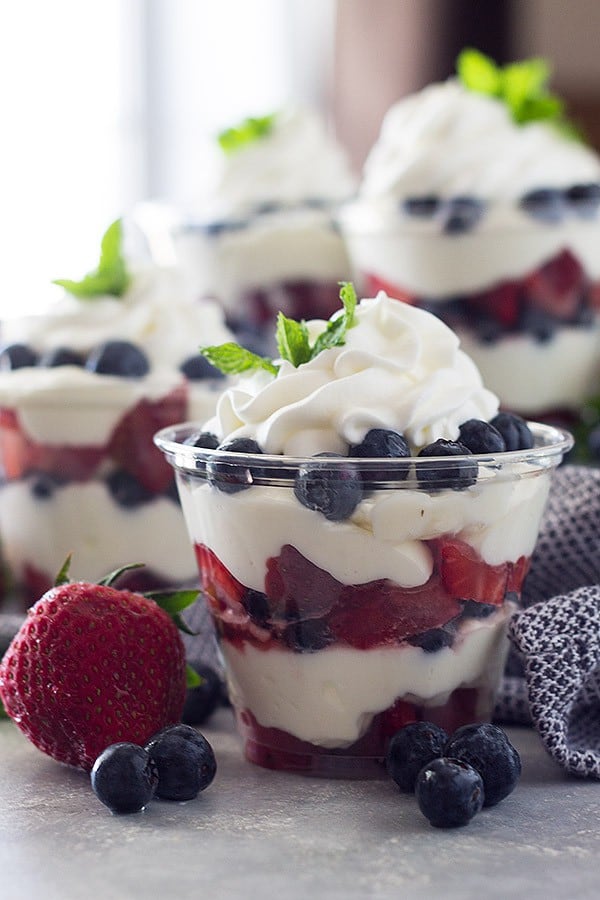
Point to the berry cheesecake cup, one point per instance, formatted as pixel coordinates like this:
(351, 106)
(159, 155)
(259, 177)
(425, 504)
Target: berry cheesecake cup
(263, 237)
(82, 391)
(359, 565)
(491, 220)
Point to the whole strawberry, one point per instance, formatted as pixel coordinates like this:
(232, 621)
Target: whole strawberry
(93, 666)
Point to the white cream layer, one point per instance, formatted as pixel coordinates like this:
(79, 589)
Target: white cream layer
(330, 697)
(84, 520)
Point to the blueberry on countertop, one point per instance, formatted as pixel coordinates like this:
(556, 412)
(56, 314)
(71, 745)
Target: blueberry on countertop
(201, 701)
(515, 431)
(449, 792)
(453, 472)
(545, 204)
(411, 748)
(481, 437)
(487, 748)
(231, 478)
(118, 358)
(333, 490)
(124, 778)
(185, 761)
(17, 356)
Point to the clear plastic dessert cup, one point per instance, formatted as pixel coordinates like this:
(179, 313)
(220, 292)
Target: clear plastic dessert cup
(387, 604)
(524, 300)
(81, 476)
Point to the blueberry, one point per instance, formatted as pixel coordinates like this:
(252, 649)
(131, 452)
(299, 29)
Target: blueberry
(197, 368)
(381, 443)
(488, 749)
(126, 490)
(432, 640)
(410, 749)
(124, 778)
(449, 792)
(267, 207)
(204, 439)
(203, 700)
(461, 214)
(424, 207)
(584, 199)
(538, 323)
(308, 636)
(17, 356)
(185, 761)
(488, 329)
(233, 477)
(43, 485)
(257, 606)
(334, 491)
(515, 431)
(118, 358)
(544, 204)
(481, 437)
(217, 228)
(473, 609)
(455, 473)
(61, 356)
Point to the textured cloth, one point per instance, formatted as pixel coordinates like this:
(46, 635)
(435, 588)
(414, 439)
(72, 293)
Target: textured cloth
(552, 676)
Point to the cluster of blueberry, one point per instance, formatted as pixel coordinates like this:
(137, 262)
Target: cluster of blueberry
(116, 357)
(453, 778)
(458, 215)
(218, 227)
(176, 764)
(335, 490)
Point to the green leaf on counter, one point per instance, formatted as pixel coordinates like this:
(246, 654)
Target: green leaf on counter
(247, 132)
(111, 275)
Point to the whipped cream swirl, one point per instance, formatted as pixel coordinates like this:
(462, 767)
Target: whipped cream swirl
(400, 368)
(449, 141)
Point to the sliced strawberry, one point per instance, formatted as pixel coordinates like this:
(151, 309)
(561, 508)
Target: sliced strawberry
(374, 284)
(223, 592)
(297, 589)
(381, 612)
(501, 303)
(131, 444)
(516, 574)
(466, 576)
(557, 286)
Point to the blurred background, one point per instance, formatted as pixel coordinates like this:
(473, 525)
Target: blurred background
(108, 103)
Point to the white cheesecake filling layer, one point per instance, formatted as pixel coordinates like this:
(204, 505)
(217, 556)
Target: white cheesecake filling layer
(84, 520)
(330, 697)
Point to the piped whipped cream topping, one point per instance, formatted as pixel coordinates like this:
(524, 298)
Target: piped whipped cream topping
(449, 141)
(155, 313)
(296, 161)
(400, 368)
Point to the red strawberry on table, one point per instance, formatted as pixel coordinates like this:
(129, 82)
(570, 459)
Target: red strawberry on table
(92, 666)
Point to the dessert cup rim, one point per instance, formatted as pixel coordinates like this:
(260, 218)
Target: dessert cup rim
(550, 445)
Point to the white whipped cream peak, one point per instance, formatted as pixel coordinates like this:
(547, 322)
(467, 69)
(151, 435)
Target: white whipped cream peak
(400, 368)
(448, 140)
(156, 313)
(298, 159)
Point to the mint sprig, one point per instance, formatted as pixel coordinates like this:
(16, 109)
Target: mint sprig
(247, 132)
(522, 86)
(293, 341)
(110, 276)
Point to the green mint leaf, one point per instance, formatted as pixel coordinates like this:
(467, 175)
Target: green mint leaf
(247, 132)
(478, 72)
(335, 333)
(192, 679)
(292, 340)
(231, 359)
(111, 275)
(523, 81)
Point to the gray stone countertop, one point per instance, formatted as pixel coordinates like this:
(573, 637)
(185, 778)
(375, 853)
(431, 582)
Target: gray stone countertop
(260, 834)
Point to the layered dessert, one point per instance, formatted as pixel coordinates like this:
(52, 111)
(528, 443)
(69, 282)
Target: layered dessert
(480, 204)
(262, 237)
(82, 390)
(362, 532)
